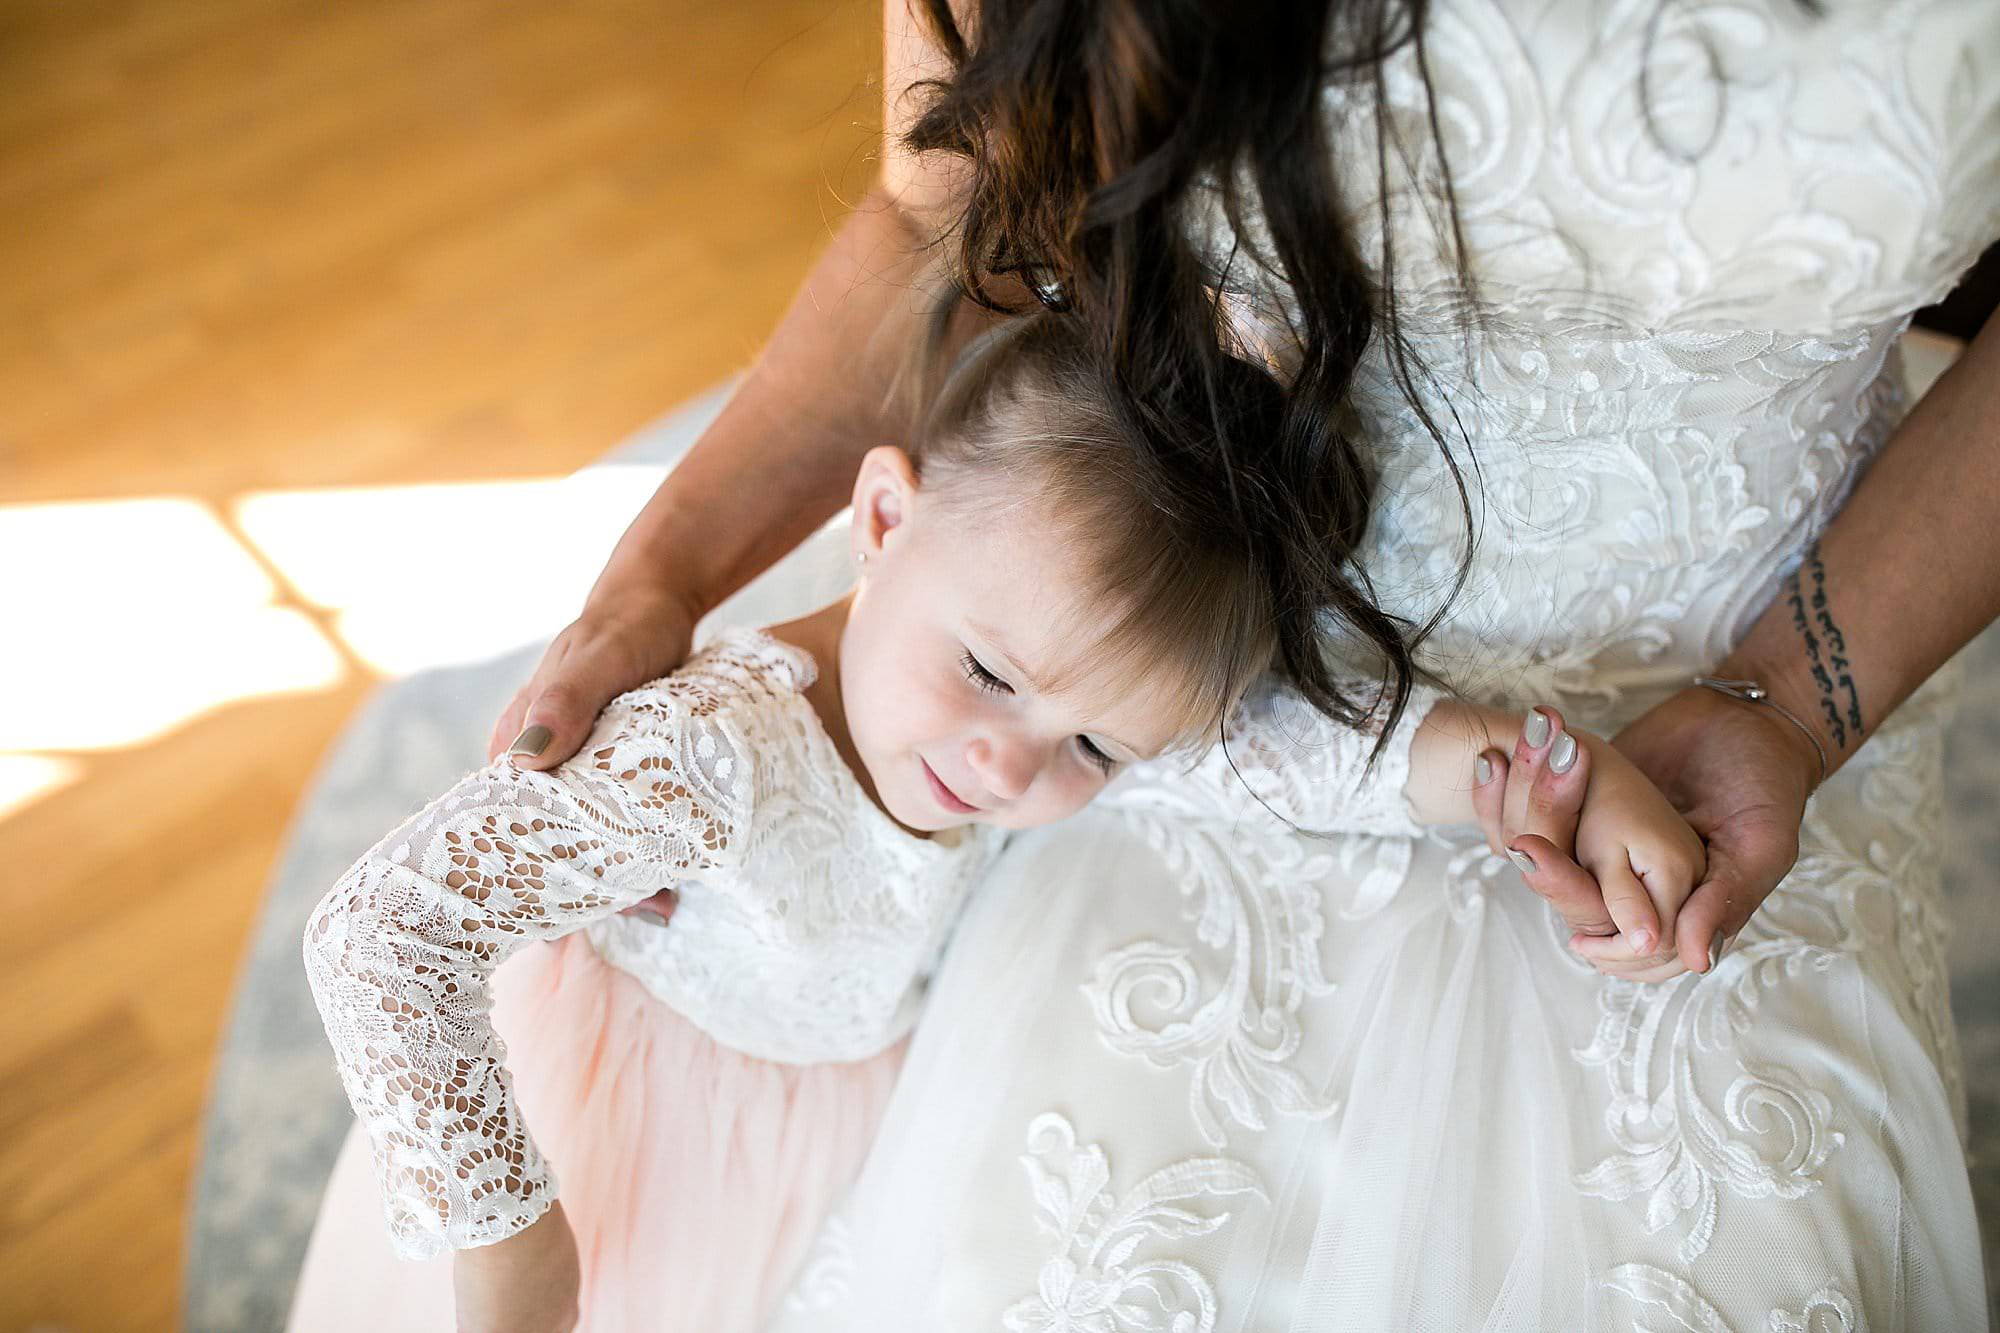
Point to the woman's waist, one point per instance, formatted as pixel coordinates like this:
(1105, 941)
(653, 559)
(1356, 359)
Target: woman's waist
(1606, 691)
(1615, 646)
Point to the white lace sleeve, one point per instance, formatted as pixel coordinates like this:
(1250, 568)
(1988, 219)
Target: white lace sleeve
(400, 951)
(1281, 759)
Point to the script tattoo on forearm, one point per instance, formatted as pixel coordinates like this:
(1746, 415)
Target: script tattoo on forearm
(1826, 648)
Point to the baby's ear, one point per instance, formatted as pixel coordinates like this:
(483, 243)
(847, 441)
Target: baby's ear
(885, 494)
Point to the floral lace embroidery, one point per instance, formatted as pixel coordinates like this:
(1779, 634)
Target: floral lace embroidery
(1870, 159)
(399, 949)
(1256, 900)
(1674, 1147)
(1256, 904)
(1095, 1280)
(1828, 1310)
(1773, 1132)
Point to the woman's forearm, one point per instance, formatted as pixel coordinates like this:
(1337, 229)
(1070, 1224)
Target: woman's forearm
(781, 457)
(1903, 577)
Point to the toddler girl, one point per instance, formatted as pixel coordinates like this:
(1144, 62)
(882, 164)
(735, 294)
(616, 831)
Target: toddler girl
(1041, 606)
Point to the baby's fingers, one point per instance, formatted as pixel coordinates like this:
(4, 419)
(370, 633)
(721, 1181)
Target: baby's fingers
(1612, 956)
(1631, 907)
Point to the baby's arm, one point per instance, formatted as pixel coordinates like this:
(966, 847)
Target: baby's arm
(1445, 750)
(1281, 759)
(1644, 856)
(400, 952)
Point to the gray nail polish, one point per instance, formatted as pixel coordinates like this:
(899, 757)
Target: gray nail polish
(1536, 731)
(1522, 860)
(1716, 948)
(1563, 757)
(531, 742)
(1483, 770)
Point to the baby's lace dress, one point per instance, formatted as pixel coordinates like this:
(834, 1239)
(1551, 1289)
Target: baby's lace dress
(806, 924)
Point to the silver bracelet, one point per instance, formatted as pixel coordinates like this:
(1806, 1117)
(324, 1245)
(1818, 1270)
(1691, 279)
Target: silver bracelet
(1749, 691)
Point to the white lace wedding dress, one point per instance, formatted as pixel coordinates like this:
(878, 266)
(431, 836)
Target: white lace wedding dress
(1176, 1078)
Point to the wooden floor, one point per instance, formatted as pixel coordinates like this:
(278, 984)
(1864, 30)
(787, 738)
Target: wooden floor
(257, 244)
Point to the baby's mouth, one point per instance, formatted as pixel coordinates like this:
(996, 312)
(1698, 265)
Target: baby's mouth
(944, 795)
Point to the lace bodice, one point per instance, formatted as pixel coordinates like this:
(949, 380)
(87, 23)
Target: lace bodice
(1691, 287)
(806, 923)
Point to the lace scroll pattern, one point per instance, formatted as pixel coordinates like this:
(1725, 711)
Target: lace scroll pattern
(1097, 1278)
(1256, 901)
(1827, 1310)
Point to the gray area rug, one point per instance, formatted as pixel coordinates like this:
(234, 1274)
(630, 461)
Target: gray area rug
(277, 1115)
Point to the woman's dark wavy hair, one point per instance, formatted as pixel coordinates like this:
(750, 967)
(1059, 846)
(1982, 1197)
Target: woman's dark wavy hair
(1088, 125)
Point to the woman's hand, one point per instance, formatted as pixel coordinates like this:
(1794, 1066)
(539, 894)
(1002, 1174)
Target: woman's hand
(1530, 805)
(627, 635)
(1740, 775)
(527, 1283)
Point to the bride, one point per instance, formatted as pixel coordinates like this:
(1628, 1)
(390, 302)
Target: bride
(1604, 295)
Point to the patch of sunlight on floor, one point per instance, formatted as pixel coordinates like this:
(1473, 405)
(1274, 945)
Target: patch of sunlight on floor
(26, 778)
(424, 576)
(131, 617)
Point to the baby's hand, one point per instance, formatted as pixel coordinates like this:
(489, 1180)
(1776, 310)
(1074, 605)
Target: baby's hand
(1631, 834)
(1572, 794)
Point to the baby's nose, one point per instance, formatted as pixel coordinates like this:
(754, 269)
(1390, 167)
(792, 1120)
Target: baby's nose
(1007, 767)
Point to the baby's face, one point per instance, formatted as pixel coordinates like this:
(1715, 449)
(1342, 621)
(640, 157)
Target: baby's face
(953, 625)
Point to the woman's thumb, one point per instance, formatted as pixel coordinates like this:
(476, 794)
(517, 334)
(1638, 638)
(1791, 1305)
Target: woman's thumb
(553, 725)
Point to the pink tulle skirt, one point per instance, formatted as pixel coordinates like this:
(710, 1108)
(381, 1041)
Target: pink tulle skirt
(693, 1176)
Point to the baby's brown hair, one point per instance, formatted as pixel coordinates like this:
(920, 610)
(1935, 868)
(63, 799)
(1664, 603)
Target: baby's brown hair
(1201, 593)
